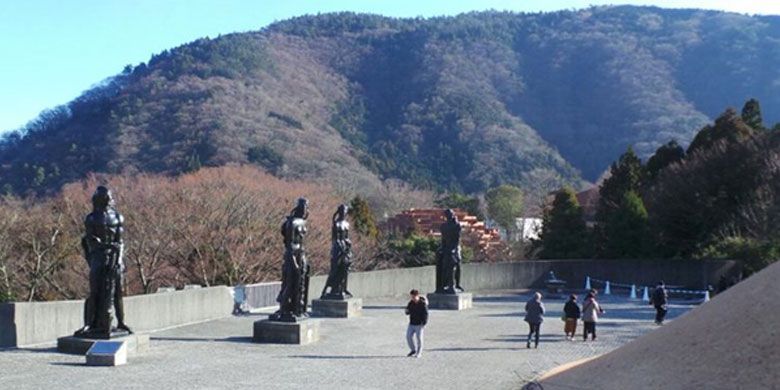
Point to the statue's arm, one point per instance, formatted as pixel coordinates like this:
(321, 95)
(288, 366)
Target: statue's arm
(119, 241)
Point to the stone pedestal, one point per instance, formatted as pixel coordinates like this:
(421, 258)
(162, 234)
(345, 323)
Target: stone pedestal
(107, 353)
(136, 343)
(459, 301)
(339, 308)
(305, 331)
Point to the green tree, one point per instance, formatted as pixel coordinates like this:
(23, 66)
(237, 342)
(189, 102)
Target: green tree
(505, 205)
(626, 175)
(456, 200)
(415, 250)
(751, 114)
(193, 163)
(266, 157)
(728, 126)
(626, 229)
(362, 217)
(664, 156)
(564, 234)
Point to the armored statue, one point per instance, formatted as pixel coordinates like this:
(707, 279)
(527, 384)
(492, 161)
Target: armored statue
(448, 256)
(340, 257)
(103, 246)
(293, 296)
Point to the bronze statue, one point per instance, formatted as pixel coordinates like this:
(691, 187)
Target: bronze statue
(103, 245)
(293, 297)
(448, 256)
(340, 257)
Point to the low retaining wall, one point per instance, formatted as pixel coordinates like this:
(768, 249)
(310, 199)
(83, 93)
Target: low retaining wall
(692, 274)
(29, 323)
(23, 324)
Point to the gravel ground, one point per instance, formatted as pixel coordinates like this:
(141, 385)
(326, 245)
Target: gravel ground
(483, 347)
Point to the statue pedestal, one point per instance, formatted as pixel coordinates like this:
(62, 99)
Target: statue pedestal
(135, 343)
(302, 332)
(339, 308)
(458, 301)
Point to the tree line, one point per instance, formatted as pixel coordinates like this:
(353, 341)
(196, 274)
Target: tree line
(719, 198)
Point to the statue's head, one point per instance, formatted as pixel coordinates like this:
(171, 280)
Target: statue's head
(301, 209)
(102, 198)
(450, 214)
(342, 211)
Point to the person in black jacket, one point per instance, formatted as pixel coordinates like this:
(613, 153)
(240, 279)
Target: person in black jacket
(571, 313)
(417, 310)
(660, 300)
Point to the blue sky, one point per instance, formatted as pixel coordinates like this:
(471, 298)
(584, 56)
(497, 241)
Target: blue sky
(52, 50)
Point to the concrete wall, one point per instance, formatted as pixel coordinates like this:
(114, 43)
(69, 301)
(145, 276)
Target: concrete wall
(692, 274)
(23, 324)
(29, 323)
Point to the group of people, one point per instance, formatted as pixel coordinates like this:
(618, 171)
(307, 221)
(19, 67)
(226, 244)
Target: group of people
(572, 313)
(589, 313)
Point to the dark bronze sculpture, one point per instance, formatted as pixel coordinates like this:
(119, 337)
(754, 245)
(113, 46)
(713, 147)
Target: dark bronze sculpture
(340, 257)
(293, 297)
(448, 256)
(103, 245)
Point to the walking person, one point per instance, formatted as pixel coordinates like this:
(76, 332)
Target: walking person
(417, 310)
(590, 315)
(660, 300)
(534, 316)
(571, 313)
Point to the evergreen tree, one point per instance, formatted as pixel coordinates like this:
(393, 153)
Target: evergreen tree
(505, 205)
(626, 175)
(664, 156)
(728, 126)
(193, 163)
(751, 114)
(362, 217)
(626, 229)
(564, 234)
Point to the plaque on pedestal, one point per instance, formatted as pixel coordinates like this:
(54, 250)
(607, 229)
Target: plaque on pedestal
(136, 343)
(302, 331)
(338, 308)
(458, 301)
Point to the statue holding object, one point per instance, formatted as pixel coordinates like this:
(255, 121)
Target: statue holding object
(293, 297)
(103, 248)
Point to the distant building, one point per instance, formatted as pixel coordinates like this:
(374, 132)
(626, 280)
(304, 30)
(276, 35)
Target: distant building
(426, 222)
(527, 228)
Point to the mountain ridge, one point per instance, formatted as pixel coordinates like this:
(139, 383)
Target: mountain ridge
(451, 103)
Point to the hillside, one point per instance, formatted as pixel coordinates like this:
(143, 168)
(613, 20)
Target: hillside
(460, 103)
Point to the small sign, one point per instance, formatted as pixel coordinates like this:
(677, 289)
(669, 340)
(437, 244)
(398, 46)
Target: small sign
(107, 353)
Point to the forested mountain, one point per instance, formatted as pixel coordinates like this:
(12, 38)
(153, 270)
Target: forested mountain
(459, 103)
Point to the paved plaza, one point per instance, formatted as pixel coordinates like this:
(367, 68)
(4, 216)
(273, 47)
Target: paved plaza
(483, 347)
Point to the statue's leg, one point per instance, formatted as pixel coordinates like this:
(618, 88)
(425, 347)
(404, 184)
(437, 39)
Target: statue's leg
(305, 303)
(119, 306)
(439, 276)
(103, 307)
(457, 277)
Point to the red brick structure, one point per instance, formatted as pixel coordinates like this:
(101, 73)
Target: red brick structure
(427, 221)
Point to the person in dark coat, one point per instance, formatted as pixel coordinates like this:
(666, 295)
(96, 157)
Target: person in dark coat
(571, 313)
(417, 310)
(534, 316)
(660, 301)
